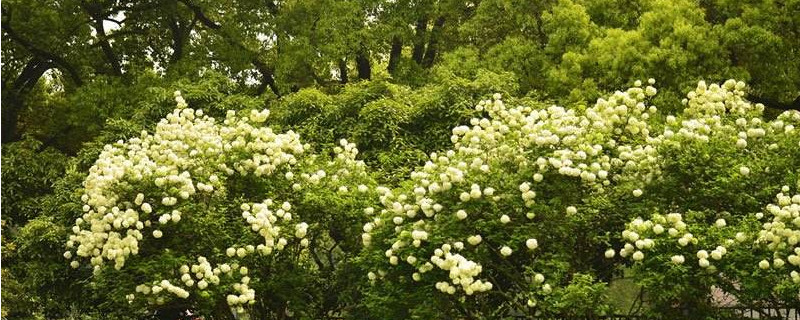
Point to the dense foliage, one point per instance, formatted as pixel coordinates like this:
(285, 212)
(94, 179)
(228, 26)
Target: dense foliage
(398, 159)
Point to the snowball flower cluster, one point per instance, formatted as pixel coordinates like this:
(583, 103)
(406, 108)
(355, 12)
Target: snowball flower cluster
(112, 225)
(461, 270)
(153, 181)
(668, 232)
(610, 141)
(781, 234)
(722, 113)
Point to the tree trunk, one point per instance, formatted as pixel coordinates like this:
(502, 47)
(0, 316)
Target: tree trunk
(433, 43)
(12, 104)
(540, 30)
(343, 71)
(394, 54)
(12, 100)
(363, 64)
(177, 48)
(179, 35)
(267, 77)
(419, 40)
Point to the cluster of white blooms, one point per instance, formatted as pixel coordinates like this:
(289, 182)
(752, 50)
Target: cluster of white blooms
(201, 274)
(461, 271)
(588, 145)
(151, 181)
(724, 111)
(158, 287)
(246, 295)
(188, 153)
(668, 232)
(781, 235)
(619, 140)
(721, 112)
(607, 141)
(266, 222)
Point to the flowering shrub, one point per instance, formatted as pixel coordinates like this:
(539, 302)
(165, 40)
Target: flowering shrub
(751, 266)
(201, 211)
(505, 217)
(497, 213)
(516, 217)
(722, 165)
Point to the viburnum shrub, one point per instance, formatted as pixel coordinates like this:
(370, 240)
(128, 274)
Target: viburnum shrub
(494, 220)
(753, 261)
(713, 219)
(516, 218)
(521, 205)
(216, 215)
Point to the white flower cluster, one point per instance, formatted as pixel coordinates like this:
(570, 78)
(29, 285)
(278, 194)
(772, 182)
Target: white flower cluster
(781, 235)
(645, 235)
(613, 141)
(189, 152)
(158, 287)
(724, 111)
(202, 274)
(246, 295)
(152, 180)
(461, 271)
(265, 222)
(607, 141)
(721, 112)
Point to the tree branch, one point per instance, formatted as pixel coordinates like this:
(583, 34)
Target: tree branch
(314, 255)
(267, 72)
(198, 12)
(95, 12)
(774, 104)
(29, 75)
(126, 32)
(118, 22)
(38, 52)
(12, 100)
(330, 253)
